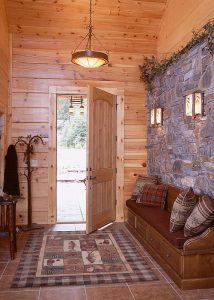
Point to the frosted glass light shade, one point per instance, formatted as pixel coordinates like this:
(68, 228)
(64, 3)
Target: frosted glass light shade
(198, 103)
(153, 117)
(89, 58)
(158, 116)
(195, 104)
(82, 110)
(71, 110)
(189, 105)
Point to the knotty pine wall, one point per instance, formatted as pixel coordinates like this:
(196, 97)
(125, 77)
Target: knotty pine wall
(41, 59)
(4, 55)
(34, 72)
(4, 84)
(180, 18)
(44, 34)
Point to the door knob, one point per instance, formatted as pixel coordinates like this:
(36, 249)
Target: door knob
(92, 177)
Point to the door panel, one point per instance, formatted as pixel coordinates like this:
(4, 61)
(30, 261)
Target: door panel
(101, 160)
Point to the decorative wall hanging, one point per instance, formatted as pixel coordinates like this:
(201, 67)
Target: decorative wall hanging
(89, 58)
(29, 143)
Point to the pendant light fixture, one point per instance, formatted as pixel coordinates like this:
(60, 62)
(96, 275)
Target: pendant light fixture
(71, 108)
(89, 58)
(81, 109)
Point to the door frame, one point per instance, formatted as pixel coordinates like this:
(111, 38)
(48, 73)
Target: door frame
(83, 88)
(3, 142)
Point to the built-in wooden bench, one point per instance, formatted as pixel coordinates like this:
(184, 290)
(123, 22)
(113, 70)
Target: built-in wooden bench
(189, 262)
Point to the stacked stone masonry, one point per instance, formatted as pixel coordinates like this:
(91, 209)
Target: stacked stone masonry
(182, 150)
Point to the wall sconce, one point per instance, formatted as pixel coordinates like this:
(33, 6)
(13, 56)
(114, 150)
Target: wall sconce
(194, 104)
(157, 116)
(71, 108)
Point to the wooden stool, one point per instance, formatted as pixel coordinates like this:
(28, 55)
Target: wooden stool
(8, 222)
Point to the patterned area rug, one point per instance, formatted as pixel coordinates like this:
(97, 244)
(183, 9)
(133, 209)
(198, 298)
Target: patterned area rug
(67, 258)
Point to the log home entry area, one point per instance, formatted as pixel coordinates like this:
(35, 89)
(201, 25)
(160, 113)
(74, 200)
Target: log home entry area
(107, 149)
(71, 159)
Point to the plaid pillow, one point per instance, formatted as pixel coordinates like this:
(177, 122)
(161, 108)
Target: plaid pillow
(182, 208)
(154, 195)
(140, 182)
(201, 217)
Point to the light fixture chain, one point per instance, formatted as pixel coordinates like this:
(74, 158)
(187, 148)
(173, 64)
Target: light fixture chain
(81, 42)
(89, 44)
(99, 42)
(90, 21)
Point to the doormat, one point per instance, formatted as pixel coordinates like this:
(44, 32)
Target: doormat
(65, 258)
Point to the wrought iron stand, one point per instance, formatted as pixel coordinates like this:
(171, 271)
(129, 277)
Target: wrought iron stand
(29, 143)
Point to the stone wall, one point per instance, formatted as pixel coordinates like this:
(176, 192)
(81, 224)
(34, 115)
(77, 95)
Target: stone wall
(182, 150)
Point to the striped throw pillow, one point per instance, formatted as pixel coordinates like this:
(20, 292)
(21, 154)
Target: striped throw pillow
(154, 195)
(182, 208)
(201, 217)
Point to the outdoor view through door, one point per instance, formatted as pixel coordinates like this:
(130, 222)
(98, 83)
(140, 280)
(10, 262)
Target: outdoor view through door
(71, 158)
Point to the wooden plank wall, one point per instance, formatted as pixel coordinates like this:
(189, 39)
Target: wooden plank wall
(30, 112)
(4, 84)
(4, 55)
(179, 19)
(30, 115)
(44, 34)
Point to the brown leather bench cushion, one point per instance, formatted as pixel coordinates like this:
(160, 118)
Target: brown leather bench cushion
(158, 219)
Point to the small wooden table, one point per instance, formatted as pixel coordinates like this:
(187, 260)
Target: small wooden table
(8, 222)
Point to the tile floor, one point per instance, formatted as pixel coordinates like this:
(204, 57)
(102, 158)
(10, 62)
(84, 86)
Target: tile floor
(164, 289)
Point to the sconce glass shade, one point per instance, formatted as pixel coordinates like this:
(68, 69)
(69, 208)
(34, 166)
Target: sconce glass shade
(158, 116)
(89, 59)
(194, 104)
(71, 109)
(198, 104)
(189, 105)
(82, 109)
(153, 117)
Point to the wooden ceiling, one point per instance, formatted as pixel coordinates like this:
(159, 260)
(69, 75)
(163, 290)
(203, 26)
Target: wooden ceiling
(123, 26)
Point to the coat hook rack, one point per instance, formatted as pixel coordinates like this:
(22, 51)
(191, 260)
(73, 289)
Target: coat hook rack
(29, 142)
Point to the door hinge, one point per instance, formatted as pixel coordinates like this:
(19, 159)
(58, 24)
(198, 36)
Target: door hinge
(115, 201)
(116, 170)
(116, 106)
(116, 138)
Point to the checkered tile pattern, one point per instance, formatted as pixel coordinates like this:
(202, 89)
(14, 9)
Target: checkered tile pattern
(25, 275)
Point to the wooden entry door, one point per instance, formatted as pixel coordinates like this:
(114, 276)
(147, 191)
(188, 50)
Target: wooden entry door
(101, 159)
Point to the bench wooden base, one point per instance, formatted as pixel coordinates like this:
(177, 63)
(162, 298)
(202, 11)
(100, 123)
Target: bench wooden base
(191, 267)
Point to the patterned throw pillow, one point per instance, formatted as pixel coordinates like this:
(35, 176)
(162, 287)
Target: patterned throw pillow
(201, 217)
(182, 208)
(140, 182)
(154, 195)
